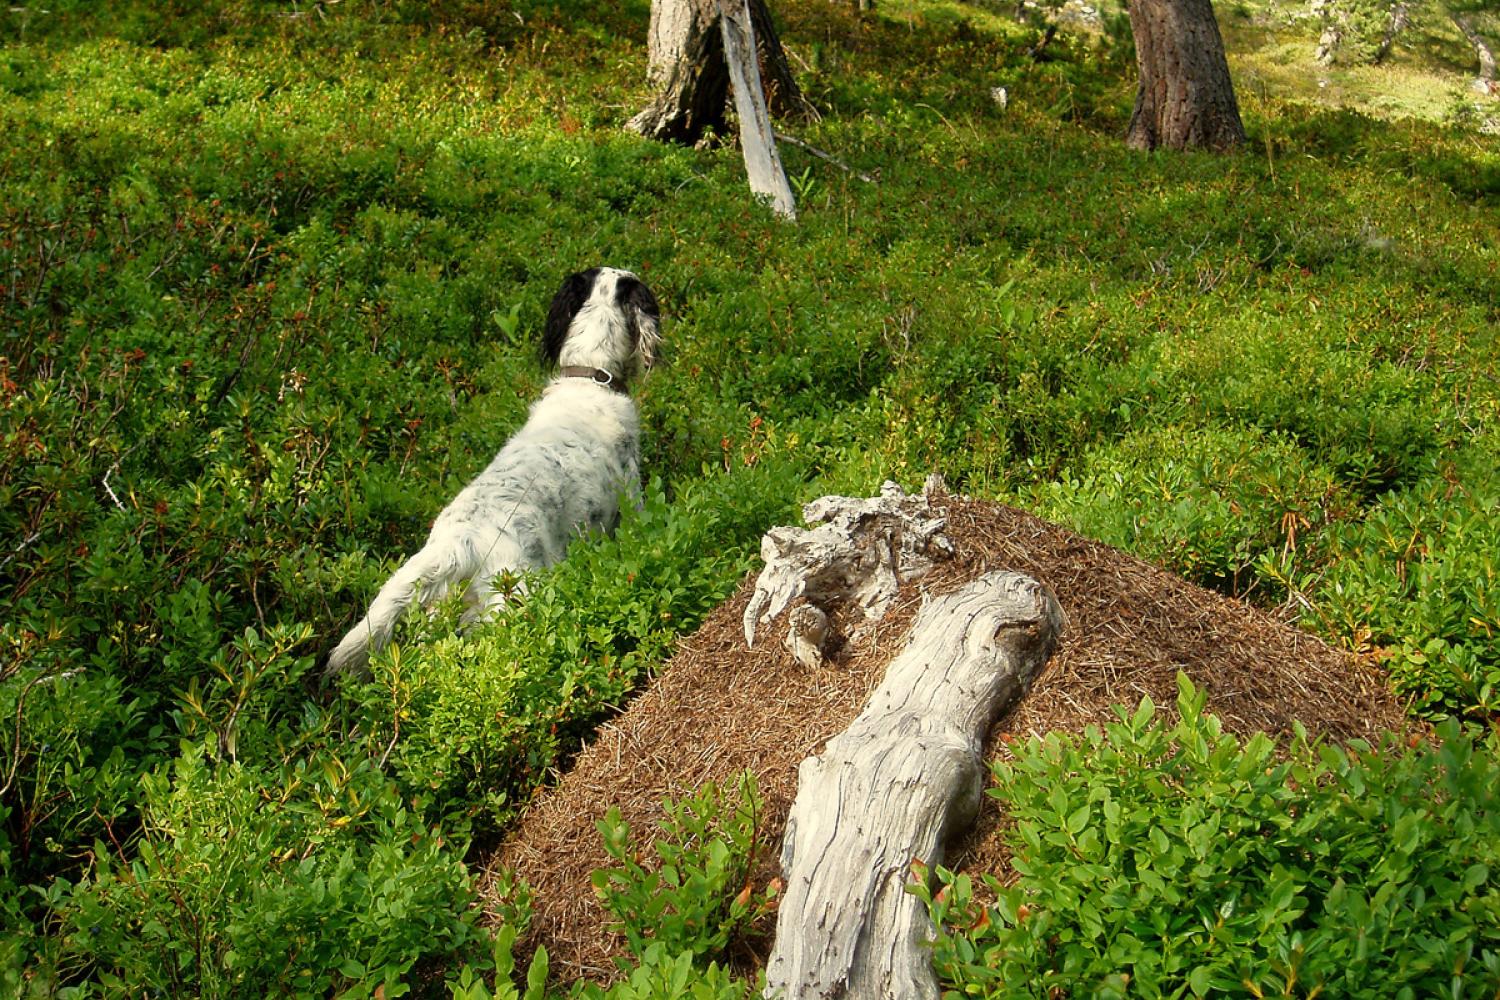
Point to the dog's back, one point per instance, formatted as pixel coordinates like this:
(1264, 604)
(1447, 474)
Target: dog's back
(562, 474)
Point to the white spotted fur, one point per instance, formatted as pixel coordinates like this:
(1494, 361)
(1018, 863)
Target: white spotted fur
(562, 474)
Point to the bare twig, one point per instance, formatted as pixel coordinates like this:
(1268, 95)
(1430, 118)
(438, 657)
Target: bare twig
(824, 155)
(105, 483)
(54, 678)
(25, 544)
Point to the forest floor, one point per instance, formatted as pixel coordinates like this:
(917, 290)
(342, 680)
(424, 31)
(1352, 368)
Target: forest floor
(271, 286)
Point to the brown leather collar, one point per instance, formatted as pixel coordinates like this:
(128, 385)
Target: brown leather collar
(596, 375)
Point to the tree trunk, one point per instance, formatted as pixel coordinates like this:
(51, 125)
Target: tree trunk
(1335, 23)
(894, 787)
(687, 72)
(1400, 18)
(1186, 99)
(1464, 21)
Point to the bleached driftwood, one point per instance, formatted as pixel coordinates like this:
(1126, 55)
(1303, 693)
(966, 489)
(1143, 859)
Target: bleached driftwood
(893, 788)
(858, 553)
(757, 139)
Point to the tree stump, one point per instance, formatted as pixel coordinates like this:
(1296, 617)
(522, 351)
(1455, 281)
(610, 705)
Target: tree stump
(858, 553)
(686, 72)
(894, 787)
(689, 77)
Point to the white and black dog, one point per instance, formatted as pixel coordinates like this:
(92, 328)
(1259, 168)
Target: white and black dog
(561, 475)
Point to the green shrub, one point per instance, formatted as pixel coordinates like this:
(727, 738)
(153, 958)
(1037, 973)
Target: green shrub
(664, 976)
(469, 983)
(295, 881)
(69, 765)
(1208, 504)
(1161, 858)
(699, 893)
(1418, 578)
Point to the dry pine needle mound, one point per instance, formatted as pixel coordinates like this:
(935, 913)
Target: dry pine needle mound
(719, 708)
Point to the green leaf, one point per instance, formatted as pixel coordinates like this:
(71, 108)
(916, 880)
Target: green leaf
(1079, 819)
(1143, 714)
(536, 975)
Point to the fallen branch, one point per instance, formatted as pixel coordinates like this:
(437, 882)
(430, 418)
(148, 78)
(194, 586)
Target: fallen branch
(893, 788)
(757, 140)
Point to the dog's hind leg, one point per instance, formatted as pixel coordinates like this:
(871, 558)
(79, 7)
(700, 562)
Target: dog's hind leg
(425, 576)
(499, 579)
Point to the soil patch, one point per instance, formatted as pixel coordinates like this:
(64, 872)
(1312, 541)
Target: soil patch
(718, 708)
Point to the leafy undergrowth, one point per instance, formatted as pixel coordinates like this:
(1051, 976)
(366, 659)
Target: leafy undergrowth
(270, 278)
(1163, 859)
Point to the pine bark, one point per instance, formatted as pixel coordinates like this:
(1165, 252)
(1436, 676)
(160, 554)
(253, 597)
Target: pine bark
(1186, 99)
(690, 78)
(686, 71)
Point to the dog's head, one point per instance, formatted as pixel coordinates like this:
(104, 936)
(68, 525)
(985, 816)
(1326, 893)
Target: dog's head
(603, 318)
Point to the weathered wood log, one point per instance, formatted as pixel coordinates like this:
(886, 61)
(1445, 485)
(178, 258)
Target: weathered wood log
(858, 554)
(894, 787)
(757, 138)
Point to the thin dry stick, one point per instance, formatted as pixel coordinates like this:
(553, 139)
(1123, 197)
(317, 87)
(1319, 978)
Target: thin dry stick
(824, 155)
(22, 547)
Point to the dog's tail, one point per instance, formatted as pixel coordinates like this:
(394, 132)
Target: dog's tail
(426, 575)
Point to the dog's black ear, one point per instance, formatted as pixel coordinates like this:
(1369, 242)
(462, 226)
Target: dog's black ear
(569, 299)
(642, 312)
(632, 294)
